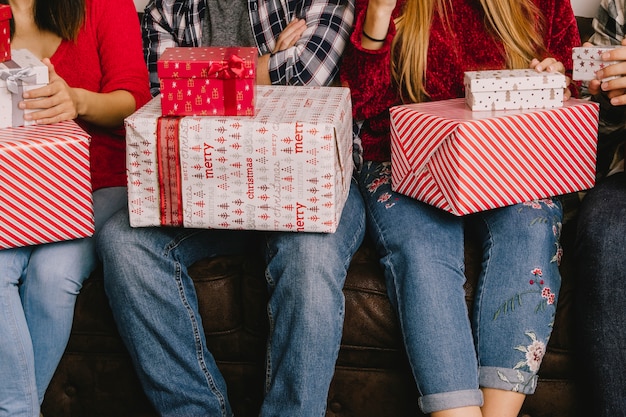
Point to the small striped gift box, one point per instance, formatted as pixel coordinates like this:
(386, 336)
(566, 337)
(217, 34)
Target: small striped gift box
(45, 184)
(463, 162)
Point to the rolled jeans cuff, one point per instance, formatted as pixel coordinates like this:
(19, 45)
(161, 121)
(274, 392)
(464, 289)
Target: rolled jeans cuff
(507, 379)
(454, 399)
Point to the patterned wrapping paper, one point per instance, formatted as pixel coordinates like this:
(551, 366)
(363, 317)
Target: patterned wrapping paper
(587, 62)
(288, 168)
(513, 89)
(208, 81)
(45, 184)
(464, 162)
(5, 32)
(22, 73)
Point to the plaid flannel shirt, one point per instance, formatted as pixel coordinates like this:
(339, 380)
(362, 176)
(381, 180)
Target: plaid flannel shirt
(609, 27)
(314, 60)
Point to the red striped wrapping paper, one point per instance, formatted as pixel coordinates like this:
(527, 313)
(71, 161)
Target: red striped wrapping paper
(45, 184)
(464, 162)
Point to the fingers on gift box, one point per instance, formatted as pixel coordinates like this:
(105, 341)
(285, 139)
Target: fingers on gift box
(588, 61)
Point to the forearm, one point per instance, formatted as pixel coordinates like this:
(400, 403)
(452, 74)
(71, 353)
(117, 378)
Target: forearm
(315, 57)
(262, 70)
(106, 110)
(376, 25)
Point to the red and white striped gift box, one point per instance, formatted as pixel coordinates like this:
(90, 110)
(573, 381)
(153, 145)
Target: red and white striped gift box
(463, 162)
(45, 184)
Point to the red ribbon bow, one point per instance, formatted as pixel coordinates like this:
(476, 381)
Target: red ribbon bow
(232, 68)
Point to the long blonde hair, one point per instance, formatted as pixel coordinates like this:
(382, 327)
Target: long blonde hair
(518, 23)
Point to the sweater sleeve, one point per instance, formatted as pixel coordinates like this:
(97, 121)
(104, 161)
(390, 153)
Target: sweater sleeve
(121, 56)
(368, 72)
(562, 32)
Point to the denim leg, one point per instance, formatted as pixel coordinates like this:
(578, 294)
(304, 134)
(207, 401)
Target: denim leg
(421, 249)
(51, 284)
(155, 306)
(18, 388)
(47, 278)
(305, 274)
(517, 292)
(601, 267)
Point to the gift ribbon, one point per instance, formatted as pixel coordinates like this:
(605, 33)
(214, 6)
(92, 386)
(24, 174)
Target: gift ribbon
(15, 80)
(232, 68)
(170, 204)
(229, 71)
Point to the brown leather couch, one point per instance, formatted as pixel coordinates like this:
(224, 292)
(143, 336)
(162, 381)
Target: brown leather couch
(95, 377)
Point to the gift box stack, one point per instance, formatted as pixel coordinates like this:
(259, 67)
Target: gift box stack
(45, 184)
(287, 167)
(588, 61)
(45, 181)
(465, 161)
(513, 89)
(5, 32)
(207, 81)
(23, 72)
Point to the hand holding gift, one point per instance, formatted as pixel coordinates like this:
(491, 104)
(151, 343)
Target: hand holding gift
(611, 79)
(51, 103)
(552, 65)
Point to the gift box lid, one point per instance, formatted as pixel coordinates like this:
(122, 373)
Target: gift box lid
(26, 66)
(512, 80)
(5, 12)
(208, 62)
(591, 52)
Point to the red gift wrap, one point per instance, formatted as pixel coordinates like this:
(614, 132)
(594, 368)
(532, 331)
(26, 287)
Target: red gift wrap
(208, 81)
(463, 162)
(5, 32)
(45, 184)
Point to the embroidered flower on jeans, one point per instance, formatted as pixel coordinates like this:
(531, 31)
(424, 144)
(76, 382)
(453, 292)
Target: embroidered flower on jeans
(374, 185)
(556, 229)
(384, 197)
(547, 296)
(534, 353)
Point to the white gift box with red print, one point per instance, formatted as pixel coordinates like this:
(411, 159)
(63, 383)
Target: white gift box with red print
(463, 162)
(207, 81)
(513, 89)
(22, 73)
(5, 32)
(587, 62)
(45, 184)
(288, 168)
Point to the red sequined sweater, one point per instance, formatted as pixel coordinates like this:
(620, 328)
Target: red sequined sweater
(106, 56)
(368, 72)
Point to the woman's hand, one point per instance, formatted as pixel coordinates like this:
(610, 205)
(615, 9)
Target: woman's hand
(614, 89)
(57, 101)
(552, 65)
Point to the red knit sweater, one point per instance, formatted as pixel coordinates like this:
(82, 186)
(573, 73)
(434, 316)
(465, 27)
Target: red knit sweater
(368, 72)
(107, 56)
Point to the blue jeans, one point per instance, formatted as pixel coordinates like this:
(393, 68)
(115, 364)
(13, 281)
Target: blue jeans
(601, 273)
(501, 344)
(156, 309)
(38, 289)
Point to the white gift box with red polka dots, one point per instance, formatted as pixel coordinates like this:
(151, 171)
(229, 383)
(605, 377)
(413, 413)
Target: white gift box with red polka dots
(287, 168)
(513, 89)
(45, 184)
(587, 62)
(464, 162)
